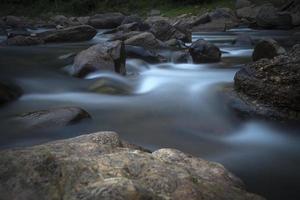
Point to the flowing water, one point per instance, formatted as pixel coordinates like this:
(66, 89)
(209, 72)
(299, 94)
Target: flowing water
(169, 105)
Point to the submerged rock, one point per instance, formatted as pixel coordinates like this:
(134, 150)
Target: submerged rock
(204, 52)
(267, 48)
(9, 92)
(270, 88)
(102, 166)
(106, 56)
(71, 34)
(51, 118)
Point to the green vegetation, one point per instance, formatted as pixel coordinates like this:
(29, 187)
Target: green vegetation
(86, 7)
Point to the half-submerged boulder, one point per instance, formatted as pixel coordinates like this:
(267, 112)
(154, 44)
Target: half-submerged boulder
(204, 52)
(270, 88)
(102, 166)
(267, 48)
(9, 92)
(51, 118)
(105, 56)
(70, 34)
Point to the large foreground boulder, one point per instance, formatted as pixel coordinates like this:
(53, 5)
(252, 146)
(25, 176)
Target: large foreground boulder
(71, 34)
(105, 56)
(50, 118)
(9, 92)
(270, 88)
(267, 48)
(204, 52)
(107, 20)
(102, 166)
(146, 40)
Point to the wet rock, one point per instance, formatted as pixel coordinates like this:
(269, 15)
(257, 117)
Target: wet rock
(70, 34)
(107, 20)
(51, 118)
(222, 13)
(146, 40)
(24, 41)
(243, 40)
(125, 28)
(204, 52)
(106, 56)
(181, 57)
(102, 166)
(164, 31)
(83, 20)
(143, 54)
(242, 4)
(175, 44)
(60, 20)
(270, 88)
(267, 48)
(9, 92)
(17, 32)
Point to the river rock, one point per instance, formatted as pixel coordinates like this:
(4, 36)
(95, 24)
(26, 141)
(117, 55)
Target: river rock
(24, 41)
(51, 118)
(146, 40)
(112, 86)
(164, 31)
(204, 52)
(180, 57)
(70, 34)
(60, 20)
(124, 36)
(102, 166)
(243, 40)
(267, 48)
(270, 88)
(107, 20)
(248, 13)
(132, 19)
(14, 21)
(269, 17)
(143, 54)
(9, 92)
(105, 56)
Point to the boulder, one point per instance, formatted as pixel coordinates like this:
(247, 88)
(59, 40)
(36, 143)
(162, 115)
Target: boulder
(17, 31)
(105, 56)
(217, 25)
(242, 4)
(146, 40)
(222, 13)
(243, 40)
(51, 118)
(143, 54)
(132, 19)
(175, 44)
(164, 31)
(249, 13)
(9, 92)
(107, 20)
(269, 17)
(24, 41)
(70, 34)
(267, 48)
(270, 88)
(102, 166)
(125, 28)
(204, 52)
(112, 86)
(60, 20)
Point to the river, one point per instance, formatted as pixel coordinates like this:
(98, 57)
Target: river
(170, 105)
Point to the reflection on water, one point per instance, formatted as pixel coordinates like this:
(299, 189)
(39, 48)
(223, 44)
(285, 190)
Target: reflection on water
(169, 105)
